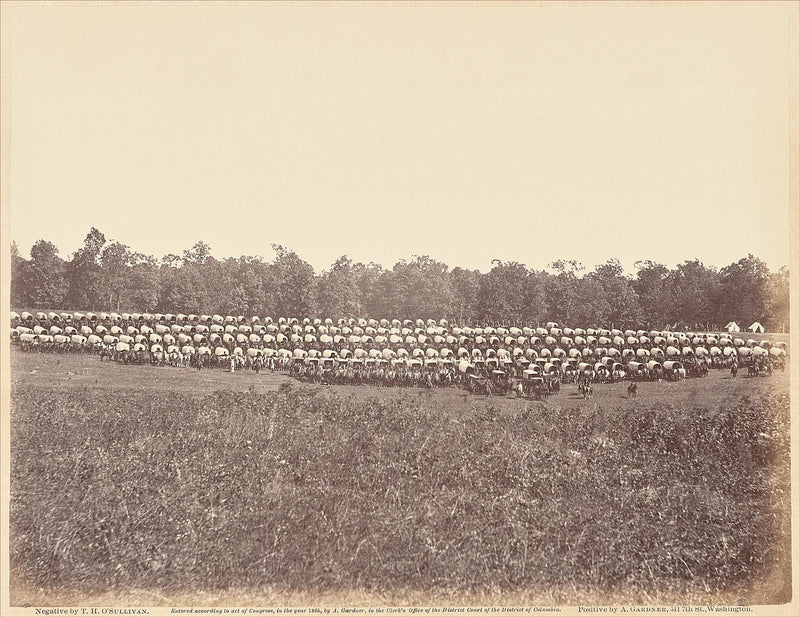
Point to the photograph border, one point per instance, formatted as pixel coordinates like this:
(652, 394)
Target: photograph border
(107, 604)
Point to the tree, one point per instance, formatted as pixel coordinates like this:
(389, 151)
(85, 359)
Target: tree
(501, 294)
(20, 279)
(46, 272)
(419, 289)
(465, 285)
(693, 289)
(592, 306)
(194, 283)
(115, 263)
(562, 291)
(371, 281)
(743, 294)
(84, 277)
(142, 282)
(239, 286)
(188, 291)
(171, 261)
(778, 316)
(536, 286)
(294, 283)
(337, 290)
(617, 292)
(198, 255)
(200, 278)
(651, 287)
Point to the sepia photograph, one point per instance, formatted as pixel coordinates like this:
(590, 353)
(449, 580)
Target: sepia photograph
(372, 308)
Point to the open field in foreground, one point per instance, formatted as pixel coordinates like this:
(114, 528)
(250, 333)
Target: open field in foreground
(156, 486)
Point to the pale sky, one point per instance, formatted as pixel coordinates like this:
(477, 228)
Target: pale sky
(464, 133)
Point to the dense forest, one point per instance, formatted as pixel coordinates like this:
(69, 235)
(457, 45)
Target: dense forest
(108, 275)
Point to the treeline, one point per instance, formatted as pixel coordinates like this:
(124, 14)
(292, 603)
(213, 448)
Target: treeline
(108, 275)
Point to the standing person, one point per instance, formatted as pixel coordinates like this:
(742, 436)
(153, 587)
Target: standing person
(233, 364)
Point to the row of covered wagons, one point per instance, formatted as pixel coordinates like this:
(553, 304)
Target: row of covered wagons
(221, 335)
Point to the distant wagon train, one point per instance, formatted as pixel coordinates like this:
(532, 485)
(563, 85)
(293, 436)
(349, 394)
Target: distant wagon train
(528, 361)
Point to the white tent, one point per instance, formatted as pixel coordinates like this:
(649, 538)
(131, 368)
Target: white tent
(756, 327)
(732, 326)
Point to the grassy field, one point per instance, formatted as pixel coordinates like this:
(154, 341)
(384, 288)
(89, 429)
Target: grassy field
(160, 485)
